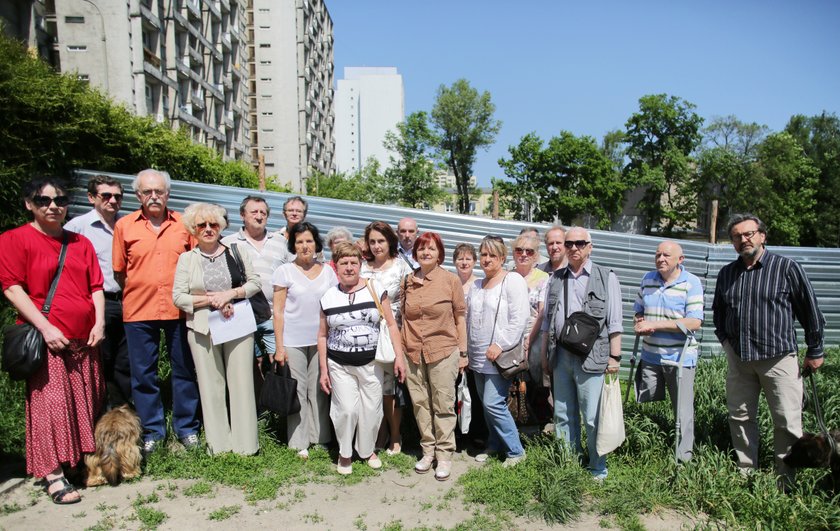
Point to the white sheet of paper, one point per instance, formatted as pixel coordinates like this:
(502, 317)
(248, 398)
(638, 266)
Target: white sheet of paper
(239, 325)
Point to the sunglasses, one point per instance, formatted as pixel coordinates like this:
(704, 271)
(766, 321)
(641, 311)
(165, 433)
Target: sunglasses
(204, 224)
(42, 201)
(527, 252)
(107, 196)
(580, 244)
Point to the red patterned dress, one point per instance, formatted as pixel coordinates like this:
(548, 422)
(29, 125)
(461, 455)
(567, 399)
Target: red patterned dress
(64, 397)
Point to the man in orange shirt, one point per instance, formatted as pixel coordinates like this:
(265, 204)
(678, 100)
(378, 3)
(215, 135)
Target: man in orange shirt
(147, 244)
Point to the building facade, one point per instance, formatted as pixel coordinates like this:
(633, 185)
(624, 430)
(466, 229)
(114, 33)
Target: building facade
(291, 66)
(369, 102)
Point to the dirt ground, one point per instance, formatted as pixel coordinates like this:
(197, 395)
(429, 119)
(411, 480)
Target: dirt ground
(389, 499)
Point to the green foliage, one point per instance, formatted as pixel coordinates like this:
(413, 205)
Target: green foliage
(660, 139)
(567, 180)
(368, 185)
(223, 513)
(54, 124)
(13, 398)
(464, 123)
(412, 171)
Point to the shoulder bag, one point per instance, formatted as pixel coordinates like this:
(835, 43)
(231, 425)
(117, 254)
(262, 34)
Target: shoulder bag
(24, 347)
(384, 348)
(512, 361)
(259, 303)
(580, 330)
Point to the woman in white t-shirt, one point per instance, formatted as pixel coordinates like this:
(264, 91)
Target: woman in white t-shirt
(298, 287)
(389, 271)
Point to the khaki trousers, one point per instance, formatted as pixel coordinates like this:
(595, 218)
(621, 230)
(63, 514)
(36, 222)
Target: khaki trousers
(356, 406)
(432, 390)
(312, 424)
(781, 382)
(229, 365)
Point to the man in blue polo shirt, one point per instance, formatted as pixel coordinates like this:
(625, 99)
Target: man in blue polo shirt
(669, 295)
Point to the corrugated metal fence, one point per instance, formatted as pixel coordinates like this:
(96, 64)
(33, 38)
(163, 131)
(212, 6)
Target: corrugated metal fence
(629, 255)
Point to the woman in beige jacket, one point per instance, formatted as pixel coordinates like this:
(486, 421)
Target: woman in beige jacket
(212, 277)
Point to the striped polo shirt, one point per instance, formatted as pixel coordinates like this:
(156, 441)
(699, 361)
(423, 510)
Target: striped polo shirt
(754, 308)
(659, 301)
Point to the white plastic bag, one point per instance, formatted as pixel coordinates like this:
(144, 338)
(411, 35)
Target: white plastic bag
(384, 348)
(463, 405)
(610, 417)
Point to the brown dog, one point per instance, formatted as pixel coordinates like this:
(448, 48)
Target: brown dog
(117, 453)
(814, 451)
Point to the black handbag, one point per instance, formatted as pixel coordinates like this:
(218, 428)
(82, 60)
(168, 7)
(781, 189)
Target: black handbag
(24, 348)
(279, 391)
(580, 330)
(512, 361)
(259, 303)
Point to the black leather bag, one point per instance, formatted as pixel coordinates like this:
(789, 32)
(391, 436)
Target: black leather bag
(580, 330)
(279, 391)
(24, 348)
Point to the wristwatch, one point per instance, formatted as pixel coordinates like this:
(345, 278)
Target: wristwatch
(616, 358)
(463, 354)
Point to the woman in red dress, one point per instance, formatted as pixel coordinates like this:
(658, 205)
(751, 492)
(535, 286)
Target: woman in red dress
(64, 395)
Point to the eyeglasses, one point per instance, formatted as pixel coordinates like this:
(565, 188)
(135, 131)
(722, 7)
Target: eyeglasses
(42, 201)
(203, 224)
(580, 244)
(107, 196)
(149, 193)
(522, 250)
(748, 235)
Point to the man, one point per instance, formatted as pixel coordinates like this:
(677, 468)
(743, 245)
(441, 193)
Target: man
(554, 240)
(147, 244)
(667, 296)
(407, 232)
(756, 299)
(268, 251)
(294, 210)
(105, 194)
(594, 290)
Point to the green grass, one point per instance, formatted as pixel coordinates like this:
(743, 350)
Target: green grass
(223, 513)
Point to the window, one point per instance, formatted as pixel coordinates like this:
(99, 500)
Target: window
(472, 207)
(268, 148)
(267, 113)
(74, 20)
(76, 48)
(266, 79)
(265, 45)
(265, 62)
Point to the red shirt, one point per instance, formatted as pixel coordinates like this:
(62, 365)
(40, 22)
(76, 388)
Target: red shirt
(148, 260)
(29, 259)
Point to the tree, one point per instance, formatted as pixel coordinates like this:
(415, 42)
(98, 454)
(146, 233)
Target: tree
(464, 122)
(660, 139)
(367, 185)
(819, 136)
(570, 178)
(412, 171)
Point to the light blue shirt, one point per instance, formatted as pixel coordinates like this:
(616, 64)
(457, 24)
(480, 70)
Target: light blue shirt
(92, 227)
(659, 301)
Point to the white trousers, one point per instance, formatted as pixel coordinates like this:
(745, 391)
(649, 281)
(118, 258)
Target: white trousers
(356, 406)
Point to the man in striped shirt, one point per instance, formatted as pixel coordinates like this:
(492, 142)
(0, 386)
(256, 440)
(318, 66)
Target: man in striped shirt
(756, 299)
(667, 296)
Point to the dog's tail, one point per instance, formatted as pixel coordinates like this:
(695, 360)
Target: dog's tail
(110, 464)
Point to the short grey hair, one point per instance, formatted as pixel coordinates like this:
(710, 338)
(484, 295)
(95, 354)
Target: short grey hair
(135, 184)
(336, 233)
(555, 228)
(207, 211)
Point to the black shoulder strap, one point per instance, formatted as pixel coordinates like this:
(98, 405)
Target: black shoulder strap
(61, 256)
(234, 251)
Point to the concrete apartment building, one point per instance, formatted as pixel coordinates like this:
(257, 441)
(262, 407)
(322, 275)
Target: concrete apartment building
(369, 102)
(291, 100)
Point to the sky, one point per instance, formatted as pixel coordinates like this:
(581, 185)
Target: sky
(582, 66)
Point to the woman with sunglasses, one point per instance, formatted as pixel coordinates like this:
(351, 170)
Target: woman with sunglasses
(65, 394)
(497, 311)
(211, 278)
(525, 252)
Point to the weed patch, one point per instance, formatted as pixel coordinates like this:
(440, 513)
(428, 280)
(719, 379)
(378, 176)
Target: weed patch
(223, 513)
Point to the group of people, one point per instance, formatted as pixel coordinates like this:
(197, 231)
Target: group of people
(130, 279)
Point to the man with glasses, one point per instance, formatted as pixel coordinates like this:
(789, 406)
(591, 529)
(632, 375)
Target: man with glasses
(669, 295)
(105, 194)
(294, 210)
(554, 240)
(756, 300)
(147, 244)
(595, 290)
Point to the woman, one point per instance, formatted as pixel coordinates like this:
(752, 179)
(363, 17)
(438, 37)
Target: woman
(389, 271)
(464, 259)
(212, 277)
(334, 236)
(298, 288)
(64, 396)
(347, 341)
(497, 310)
(525, 252)
(435, 342)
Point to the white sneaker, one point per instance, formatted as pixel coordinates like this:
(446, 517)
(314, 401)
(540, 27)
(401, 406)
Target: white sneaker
(513, 461)
(303, 454)
(374, 462)
(484, 455)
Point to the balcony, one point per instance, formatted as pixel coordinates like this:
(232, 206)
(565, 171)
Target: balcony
(182, 65)
(194, 9)
(185, 109)
(228, 118)
(226, 40)
(150, 17)
(223, 5)
(227, 81)
(151, 58)
(197, 101)
(213, 8)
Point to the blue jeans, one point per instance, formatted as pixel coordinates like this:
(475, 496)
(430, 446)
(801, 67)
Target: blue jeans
(265, 332)
(143, 339)
(578, 393)
(503, 435)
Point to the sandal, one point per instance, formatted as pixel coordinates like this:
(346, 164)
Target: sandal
(58, 497)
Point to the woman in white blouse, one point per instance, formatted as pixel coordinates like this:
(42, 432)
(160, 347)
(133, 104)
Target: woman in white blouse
(497, 313)
(389, 271)
(298, 287)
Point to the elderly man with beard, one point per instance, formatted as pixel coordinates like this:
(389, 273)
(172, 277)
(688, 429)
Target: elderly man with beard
(756, 300)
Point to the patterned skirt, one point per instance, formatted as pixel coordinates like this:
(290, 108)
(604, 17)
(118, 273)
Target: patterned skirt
(63, 401)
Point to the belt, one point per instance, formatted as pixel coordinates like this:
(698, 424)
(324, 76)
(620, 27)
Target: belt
(113, 296)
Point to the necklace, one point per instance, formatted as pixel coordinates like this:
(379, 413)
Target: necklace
(212, 257)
